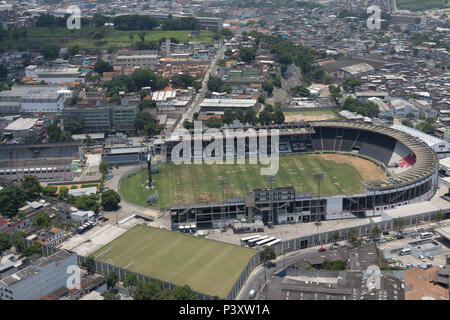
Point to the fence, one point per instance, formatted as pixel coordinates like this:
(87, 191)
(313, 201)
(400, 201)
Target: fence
(363, 230)
(105, 269)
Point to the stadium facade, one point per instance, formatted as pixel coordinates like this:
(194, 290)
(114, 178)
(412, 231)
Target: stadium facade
(411, 167)
(48, 162)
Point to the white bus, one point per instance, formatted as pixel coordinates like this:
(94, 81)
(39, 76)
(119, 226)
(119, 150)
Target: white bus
(245, 240)
(252, 242)
(272, 243)
(260, 243)
(425, 235)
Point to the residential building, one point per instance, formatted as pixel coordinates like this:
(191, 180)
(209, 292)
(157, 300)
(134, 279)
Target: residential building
(39, 279)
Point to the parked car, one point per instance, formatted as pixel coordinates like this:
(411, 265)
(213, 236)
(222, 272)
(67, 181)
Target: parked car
(252, 294)
(400, 236)
(422, 258)
(385, 233)
(322, 249)
(333, 247)
(270, 264)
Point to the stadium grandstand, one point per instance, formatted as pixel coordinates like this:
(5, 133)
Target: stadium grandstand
(411, 168)
(48, 162)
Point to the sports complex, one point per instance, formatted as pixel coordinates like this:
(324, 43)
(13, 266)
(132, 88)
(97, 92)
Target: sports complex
(207, 266)
(364, 169)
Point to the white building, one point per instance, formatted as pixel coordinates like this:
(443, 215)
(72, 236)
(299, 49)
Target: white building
(55, 75)
(402, 108)
(83, 191)
(83, 216)
(34, 98)
(44, 276)
(441, 147)
(144, 59)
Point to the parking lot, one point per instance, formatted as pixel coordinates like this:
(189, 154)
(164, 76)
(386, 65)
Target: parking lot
(392, 249)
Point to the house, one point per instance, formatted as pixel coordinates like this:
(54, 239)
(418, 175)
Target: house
(401, 108)
(83, 216)
(52, 237)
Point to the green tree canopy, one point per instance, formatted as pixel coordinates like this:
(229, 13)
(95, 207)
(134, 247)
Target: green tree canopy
(11, 199)
(31, 187)
(110, 200)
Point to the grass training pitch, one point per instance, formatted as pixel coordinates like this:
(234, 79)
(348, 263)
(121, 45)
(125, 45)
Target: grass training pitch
(310, 115)
(207, 266)
(197, 183)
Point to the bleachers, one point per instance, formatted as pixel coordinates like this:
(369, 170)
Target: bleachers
(47, 151)
(348, 139)
(377, 146)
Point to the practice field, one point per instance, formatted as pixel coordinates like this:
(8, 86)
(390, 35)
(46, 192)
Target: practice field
(38, 37)
(207, 266)
(197, 183)
(310, 115)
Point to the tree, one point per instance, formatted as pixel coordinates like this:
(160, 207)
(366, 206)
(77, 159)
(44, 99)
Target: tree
(145, 124)
(87, 202)
(335, 236)
(43, 220)
(31, 187)
(408, 123)
(142, 35)
(111, 280)
(3, 71)
(130, 283)
(247, 54)
(438, 216)
(301, 91)
(351, 83)
(18, 241)
(50, 51)
(103, 66)
(410, 115)
(5, 242)
(131, 36)
(335, 92)
(147, 290)
(35, 248)
(11, 199)
(268, 87)
(375, 230)
(89, 264)
(188, 124)
(110, 296)
(74, 125)
(278, 116)
(147, 104)
(352, 237)
(183, 293)
(110, 200)
(268, 253)
(104, 166)
(425, 127)
(227, 33)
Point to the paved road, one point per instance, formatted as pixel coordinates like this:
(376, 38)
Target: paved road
(194, 106)
(260, 275)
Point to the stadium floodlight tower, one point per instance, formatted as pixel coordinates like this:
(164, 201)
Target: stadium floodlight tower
(222, 183)
(319, 177)
(271, 180)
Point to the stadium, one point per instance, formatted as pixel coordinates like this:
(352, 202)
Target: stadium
(405, 170)
(48, 162)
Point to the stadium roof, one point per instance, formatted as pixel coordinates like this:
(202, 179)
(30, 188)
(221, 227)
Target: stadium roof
(431, 141)
(228, 103)
(358, 68)
(427, 162)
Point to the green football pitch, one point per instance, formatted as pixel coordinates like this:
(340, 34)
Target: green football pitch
(207, 266)
(197, 183)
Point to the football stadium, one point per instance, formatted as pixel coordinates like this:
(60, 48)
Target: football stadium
(328, 170)
(207, 266)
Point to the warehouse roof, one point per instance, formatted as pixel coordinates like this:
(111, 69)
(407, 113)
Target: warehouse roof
(22, 124)
(228, 103)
